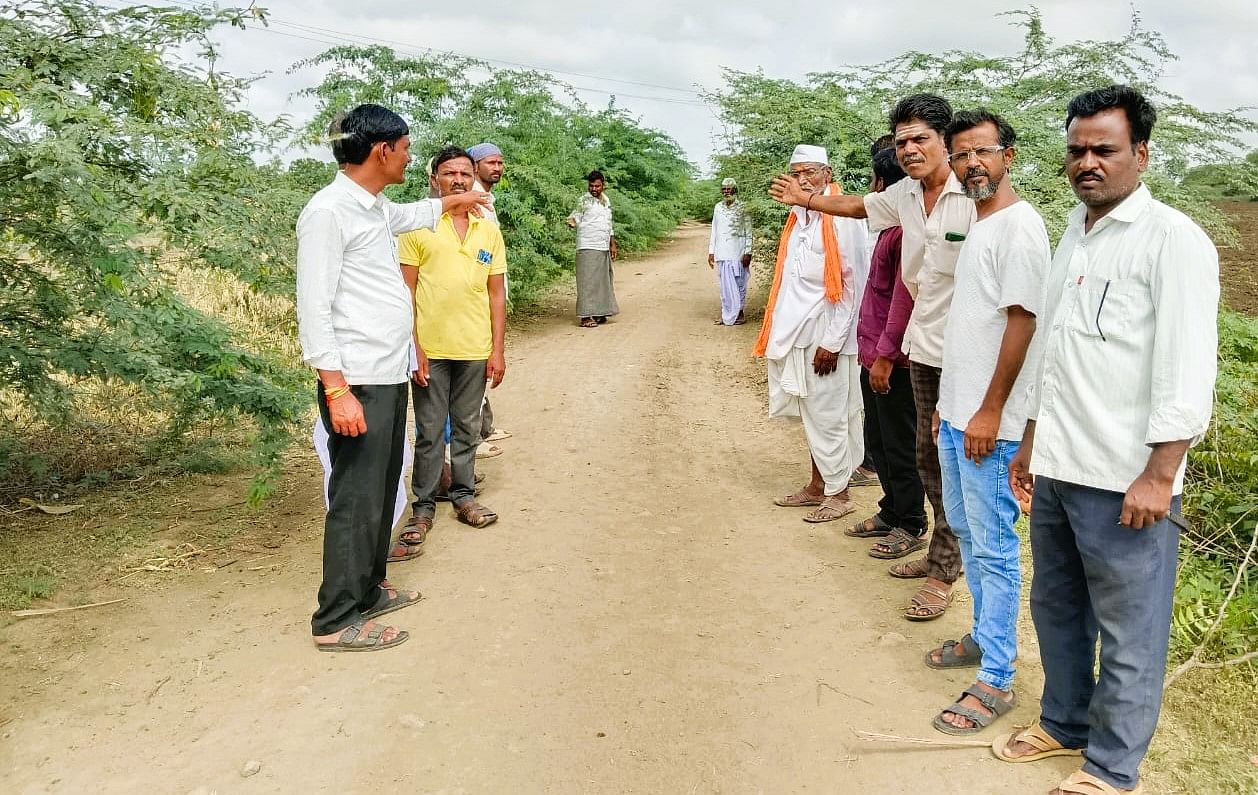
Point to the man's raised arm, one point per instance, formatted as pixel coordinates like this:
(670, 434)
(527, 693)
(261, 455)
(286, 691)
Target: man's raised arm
(788, 192)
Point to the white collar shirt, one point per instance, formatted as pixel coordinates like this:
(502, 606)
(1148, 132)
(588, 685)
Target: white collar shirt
(802, 315)
(1130, 353)
(486, 212)
(594, 222)
(731, 232)
(354, 310)
(931, 245)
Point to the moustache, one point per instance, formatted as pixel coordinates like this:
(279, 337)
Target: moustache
(977, 172)
(1087, 175)
(912, 159)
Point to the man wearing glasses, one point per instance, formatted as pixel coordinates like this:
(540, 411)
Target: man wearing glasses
(990, 356)
(809, 336)
(1125, 388)
(935, 215)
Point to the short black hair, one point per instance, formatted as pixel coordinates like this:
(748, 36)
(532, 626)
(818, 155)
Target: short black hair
(1141, 115)
(447, 154)
(884, 142)
(595, 174)
(964, 120)
(929, 108)
(887, 167)
(353, 134)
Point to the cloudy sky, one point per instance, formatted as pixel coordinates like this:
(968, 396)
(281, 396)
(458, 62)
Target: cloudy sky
(654, 55)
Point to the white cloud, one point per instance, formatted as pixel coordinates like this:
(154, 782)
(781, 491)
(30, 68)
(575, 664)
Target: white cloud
(668, 44)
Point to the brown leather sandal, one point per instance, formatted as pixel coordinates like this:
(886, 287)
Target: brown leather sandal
(471, 512)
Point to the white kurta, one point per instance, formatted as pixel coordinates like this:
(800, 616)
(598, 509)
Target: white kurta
(804, 319)
(729, 243)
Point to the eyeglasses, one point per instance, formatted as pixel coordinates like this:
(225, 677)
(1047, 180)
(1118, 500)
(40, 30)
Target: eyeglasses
(805, 173)
(980, 152)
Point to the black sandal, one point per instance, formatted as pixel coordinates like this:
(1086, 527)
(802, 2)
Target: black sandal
(994, 704)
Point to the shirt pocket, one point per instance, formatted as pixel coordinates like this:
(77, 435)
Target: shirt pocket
(1103, 308)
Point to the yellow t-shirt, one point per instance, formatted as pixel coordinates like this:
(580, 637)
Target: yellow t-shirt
(452, 319)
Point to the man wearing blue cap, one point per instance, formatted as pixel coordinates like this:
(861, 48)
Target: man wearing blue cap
(489, 167)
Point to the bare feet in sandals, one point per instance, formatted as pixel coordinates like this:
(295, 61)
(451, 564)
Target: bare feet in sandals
(930, 601)
(833, 507)
(803, 498)
(978, 707)
(362, 636)
(471, 512)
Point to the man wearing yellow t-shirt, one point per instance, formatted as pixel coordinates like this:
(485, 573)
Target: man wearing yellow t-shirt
(457, 274)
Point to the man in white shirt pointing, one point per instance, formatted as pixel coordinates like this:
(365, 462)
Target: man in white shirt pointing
(809, 336)
(729, 252)
(354, 322)
(1125, 388)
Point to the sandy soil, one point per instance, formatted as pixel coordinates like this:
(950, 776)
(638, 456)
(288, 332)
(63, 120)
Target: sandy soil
(641, 620)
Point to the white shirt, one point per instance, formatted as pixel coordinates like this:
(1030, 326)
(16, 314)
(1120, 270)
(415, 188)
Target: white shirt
(594, 222)
(731, 233)
(802, 317)
(486, 212)
(928, 258)
(1130, 350)
(353, 309)
(1003, 263)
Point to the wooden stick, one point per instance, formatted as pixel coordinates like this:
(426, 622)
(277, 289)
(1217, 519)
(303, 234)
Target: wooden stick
(892, 738)
(48, 611)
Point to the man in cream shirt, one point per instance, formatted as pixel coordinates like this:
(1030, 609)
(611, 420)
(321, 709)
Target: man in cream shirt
(1125, 388)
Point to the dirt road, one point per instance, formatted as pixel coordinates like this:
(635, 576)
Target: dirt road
(641, 620)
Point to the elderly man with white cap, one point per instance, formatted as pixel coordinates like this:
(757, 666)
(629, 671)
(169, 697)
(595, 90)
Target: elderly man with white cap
(729, 252)
(809, 336)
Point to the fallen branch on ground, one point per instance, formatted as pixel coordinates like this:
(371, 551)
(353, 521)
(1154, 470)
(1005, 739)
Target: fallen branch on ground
(874, 737)
(48, 611)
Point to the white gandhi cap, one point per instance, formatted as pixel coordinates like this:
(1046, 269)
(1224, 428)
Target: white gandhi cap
(804, 153)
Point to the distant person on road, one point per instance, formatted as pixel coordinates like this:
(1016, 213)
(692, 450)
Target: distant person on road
(809, 336)
(596, 250)
(729, 252)
(991, 352)
(490, 166)
(890, 414)
(935, 215)
(1125, 387)
(456, 274)
(354, 323)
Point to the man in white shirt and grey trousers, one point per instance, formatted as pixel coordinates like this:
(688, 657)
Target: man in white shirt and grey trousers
(1125, 388)
(355, 322)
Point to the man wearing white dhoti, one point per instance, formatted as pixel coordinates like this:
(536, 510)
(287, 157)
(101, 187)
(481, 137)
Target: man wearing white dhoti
(809, 337)
(729, 252)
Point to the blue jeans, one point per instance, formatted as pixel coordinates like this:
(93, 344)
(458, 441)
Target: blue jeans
(982, 510)
(1096, 578)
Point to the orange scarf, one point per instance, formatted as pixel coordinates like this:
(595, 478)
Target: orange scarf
(833, 268)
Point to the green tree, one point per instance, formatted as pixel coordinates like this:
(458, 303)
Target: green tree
(117, 158)
(1235, 180)
(846, 110)
(550, 140)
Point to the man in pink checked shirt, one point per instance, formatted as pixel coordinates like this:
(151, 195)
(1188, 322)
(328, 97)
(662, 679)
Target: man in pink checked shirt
(890, 411)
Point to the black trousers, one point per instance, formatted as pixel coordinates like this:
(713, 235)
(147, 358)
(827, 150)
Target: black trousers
(456, 389)
(891, 440)
(362, 492)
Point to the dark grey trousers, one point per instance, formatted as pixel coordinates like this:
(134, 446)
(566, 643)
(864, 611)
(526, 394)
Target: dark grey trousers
(361, 496)
(1098, 580)
(456, 389)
